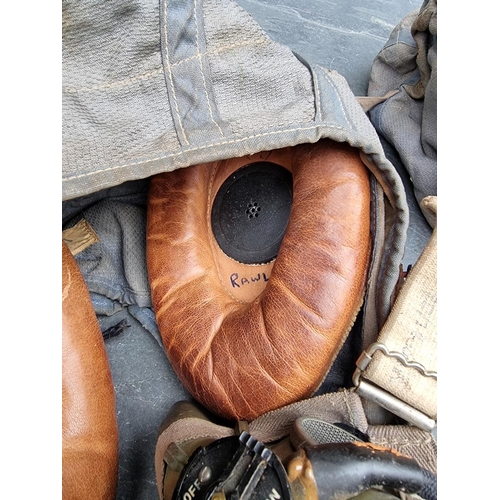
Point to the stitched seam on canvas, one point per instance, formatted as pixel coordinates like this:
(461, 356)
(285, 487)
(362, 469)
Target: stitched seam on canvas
(348, 407)
(180, 153)
(169, 69)
(337, 93)
(151, 74)
(318, 93)
(224, 48)
(201, 70)
(119, 83)
(265, 126)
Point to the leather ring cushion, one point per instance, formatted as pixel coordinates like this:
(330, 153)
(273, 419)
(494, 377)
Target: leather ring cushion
(89, 423)
(243, 351)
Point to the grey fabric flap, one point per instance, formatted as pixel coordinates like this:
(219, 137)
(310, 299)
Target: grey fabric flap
(215, 87)
(154, 86)
(408, 64)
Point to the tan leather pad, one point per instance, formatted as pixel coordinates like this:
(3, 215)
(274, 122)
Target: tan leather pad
(242, 356)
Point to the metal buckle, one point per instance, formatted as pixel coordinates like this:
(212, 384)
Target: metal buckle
(385, 399)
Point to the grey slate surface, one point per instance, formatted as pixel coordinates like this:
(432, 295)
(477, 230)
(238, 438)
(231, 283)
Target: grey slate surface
(344, 35)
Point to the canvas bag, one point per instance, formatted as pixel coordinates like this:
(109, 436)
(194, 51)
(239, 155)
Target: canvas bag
(143, 96)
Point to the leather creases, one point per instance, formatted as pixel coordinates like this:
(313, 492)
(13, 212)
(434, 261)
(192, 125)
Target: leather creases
(248, 349)
(89, 423)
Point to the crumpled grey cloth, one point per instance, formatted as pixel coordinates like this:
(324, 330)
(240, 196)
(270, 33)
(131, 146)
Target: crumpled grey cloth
(115, 268)
(408, 119)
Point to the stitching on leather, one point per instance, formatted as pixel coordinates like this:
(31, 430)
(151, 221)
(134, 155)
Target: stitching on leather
(201, 70)
(206, 146)
(169, 70)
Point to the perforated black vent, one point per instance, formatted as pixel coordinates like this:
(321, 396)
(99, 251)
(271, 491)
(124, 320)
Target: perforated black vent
(251, 211)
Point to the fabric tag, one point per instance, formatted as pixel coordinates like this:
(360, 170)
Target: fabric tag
(79, 237)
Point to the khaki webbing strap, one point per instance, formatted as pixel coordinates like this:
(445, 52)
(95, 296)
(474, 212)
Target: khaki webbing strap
(343, 406)
(79, 237)
(408, 440)
(346, 406)
(189, 431)
(399, 371)
(369, 102)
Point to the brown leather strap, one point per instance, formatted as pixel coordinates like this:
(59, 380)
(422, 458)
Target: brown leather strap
(89, 424)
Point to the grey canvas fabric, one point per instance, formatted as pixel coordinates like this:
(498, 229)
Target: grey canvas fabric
(408, 119)
(154, 86)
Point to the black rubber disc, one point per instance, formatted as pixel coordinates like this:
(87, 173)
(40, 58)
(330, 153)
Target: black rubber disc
(251, 211)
